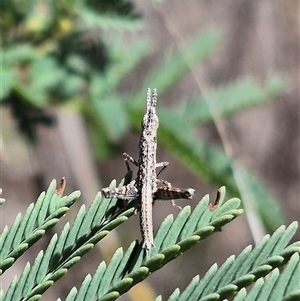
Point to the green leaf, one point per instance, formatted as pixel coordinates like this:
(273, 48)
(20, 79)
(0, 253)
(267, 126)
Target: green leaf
(170, 242)
(174, 68)
(106, 21)
(27, 230)
(228, 100)
(289, 273)
(113, 117)
(171, 235)
(187, 292)
(110, 270)
(248, 268)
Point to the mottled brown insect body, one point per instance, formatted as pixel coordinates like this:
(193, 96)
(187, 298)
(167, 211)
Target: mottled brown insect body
(146, 187)
(146, 176)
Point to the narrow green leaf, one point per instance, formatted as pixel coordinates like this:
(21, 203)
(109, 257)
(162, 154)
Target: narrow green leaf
(128, 210)
(122, 267)
(33, 216)
(123, 285)
(266, 289)
(231, 204)
(244, 281)
(7, 244)
(174, 296)
(68, 201)
(82, 250)
(188, 243)
(30, 281)
(34, 298)
(283, 241)
(293, 284)
(211, 297)
(290, 250)
(20, 233)
(155, 262)
(58, 200)
(72, 235)
(35, 236)
(170, 253)
(240, 296)
(161, 233)
(227, 291)
(222, 220)
(110, 270)
(19, 289)
(285, 278)
(261, 271)
(104, 205)
(19, 250)
(40, 289)
(213, 285)
(206, 280)
(81, 295)
(6, 263)
(204, 232)
(94, 285)
(97, 237)
(43, 210)
(110, 296)
(72, 295)
(58, 251)
(235, 266)
(49, 224)
(173, 232)
(86, 224)
(115, 223)
(205, 219)
(11, 289)
(252, 256)
(138, 275)
(196, 215)
(3, 238)
(187, 294)
(274, 261)
(46, 259)
(57, 213)
(58, 274)
(268, 246)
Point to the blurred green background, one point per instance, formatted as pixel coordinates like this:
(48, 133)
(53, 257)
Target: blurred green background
(73, 88)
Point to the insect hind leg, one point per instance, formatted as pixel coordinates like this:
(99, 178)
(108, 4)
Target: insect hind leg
(129, 158)
(163, 166)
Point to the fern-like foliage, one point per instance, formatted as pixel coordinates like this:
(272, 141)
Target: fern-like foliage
(125, 269)
(249, 267)
(173, 238)
(279, 285)
(38, 219)
(62, 252)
